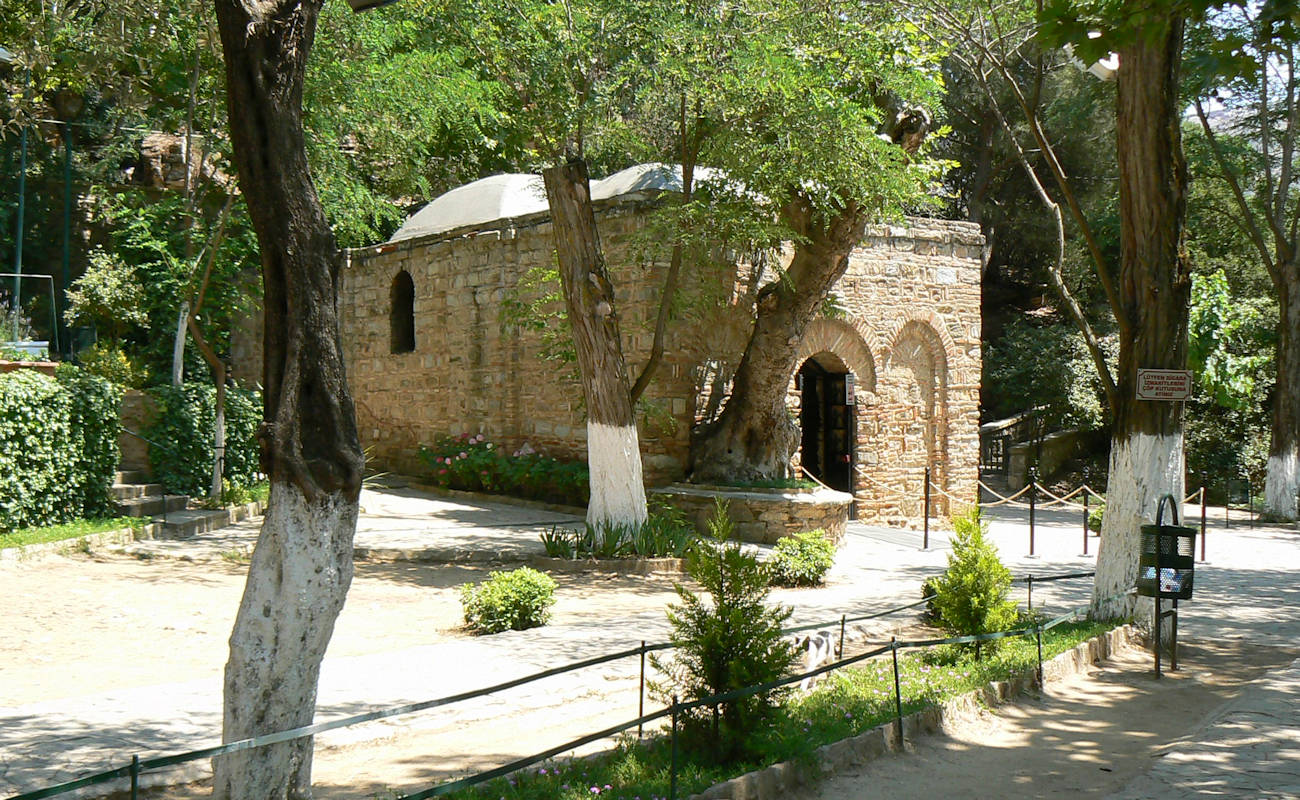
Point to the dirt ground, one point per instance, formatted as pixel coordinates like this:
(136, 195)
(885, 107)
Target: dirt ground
(81, 624)
(1086, 736)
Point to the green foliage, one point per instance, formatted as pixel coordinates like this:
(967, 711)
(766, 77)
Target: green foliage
(471, 463)
(186, 417)
(1096, 517)
(733, 642)
(1228, 342)
(113, 365)
(972, 593)
(1042, 366)
(108, 296)
(801, 560)
(15, 325)
(665, 534)
(508, 601)
(69, 530)
(58, 447)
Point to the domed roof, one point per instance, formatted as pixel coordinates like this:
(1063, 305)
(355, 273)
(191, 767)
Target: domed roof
(513, 195)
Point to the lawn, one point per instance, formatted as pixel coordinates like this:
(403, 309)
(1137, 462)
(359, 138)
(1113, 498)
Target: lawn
(68, 530)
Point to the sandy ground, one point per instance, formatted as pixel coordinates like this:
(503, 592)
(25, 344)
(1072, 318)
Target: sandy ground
(1088, 735)
(95, 623)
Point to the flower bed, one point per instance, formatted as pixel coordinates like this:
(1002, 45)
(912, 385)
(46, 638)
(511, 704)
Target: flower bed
(470, 462)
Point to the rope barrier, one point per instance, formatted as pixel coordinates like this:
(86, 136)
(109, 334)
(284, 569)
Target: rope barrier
(1001, 499)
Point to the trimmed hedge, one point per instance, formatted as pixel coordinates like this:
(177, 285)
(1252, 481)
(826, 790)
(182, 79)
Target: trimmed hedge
(58, 447)
(184, 427)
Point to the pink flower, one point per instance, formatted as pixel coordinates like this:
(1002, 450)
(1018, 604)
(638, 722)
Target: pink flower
(462, 454)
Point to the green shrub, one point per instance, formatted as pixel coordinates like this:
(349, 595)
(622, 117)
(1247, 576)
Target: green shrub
(1095, 518)
(184, 426)
(58, 447)
(508, 601)
(930, 589)
(471, 463)
(972, 593)
(729, 643)
(113, 365)
(801, 559)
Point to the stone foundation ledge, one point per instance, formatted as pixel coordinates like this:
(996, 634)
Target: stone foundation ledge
(780, 780)
(762, 516)
(486, 497)
(64, 547)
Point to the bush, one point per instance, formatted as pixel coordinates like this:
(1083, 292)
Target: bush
(508, 601)
(471, 463)
(1096, 516)
(184, 425)
(972, 593)
(930, 589)
(113, 365)
(801, 560)
(729, 643)
(58, 447)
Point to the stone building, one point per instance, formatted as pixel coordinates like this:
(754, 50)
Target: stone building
(888, 382)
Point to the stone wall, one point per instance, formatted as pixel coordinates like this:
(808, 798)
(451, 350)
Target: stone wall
(910, 334)
(763, 516)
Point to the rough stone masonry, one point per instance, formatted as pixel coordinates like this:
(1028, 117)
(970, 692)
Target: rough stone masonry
(432, 348)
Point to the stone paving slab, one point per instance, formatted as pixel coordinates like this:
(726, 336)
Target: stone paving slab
(1250, 748)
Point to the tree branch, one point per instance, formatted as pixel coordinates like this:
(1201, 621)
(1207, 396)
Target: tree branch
(1243, 207)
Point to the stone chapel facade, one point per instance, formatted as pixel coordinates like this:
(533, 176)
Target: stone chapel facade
(887, 384)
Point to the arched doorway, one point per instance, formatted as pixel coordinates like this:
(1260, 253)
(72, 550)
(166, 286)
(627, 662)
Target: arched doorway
(827, 421)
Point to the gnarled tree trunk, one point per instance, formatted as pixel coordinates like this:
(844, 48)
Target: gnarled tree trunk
(1146, 456)
(613, 448)
(754, 437)
(1282, 482)
(302, 565)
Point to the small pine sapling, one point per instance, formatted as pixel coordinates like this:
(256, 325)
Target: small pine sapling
(730, 643)
(971, 596)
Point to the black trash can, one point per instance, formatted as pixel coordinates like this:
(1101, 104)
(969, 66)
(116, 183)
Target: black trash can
(1168, 558)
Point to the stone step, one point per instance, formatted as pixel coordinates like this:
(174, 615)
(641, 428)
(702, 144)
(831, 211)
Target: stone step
(152, 505)
(131, 476)
(131, 491)
(194, 521)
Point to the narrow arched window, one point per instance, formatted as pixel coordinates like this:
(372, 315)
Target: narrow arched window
(401, 318)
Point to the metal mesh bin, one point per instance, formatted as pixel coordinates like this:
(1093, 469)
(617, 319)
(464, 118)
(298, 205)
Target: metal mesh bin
(1167, 561)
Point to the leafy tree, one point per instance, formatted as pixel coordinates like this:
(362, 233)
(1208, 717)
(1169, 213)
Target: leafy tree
(107, 296)
(1245, 63)
(302, 565)
(1045, 367)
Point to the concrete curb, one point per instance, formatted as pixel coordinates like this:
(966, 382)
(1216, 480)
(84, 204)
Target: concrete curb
(485, 497)
(779, 780)
(568, 566)
(28, 552)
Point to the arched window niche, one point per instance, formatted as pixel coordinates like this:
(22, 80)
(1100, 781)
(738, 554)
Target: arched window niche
(402, 315)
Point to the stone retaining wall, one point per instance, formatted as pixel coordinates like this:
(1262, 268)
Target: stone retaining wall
(763, 516)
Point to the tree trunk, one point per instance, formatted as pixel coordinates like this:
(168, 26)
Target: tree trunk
(613, 449)
(754, 437)
(1146, 457)
(1282, 483)
(219, 437)
(302, 565)
(178, 346)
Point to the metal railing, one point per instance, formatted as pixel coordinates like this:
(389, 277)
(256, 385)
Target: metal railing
(139, 766)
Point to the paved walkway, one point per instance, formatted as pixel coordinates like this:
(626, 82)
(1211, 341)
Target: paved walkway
(1248, 590)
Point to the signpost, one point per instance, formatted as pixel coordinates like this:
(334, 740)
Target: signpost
(1168, 385)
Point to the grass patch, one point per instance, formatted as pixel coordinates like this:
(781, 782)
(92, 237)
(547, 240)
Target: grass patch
(849, 702)
(68, 530)
(774, 483)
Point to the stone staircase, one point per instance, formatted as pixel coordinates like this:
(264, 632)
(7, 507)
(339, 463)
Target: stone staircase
(136, 496)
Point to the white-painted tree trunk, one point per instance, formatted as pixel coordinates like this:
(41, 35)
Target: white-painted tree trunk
(297, 582)
(178, 348)
(1143, 468)
(218, 451)
(617, 490)
(1282, 485)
